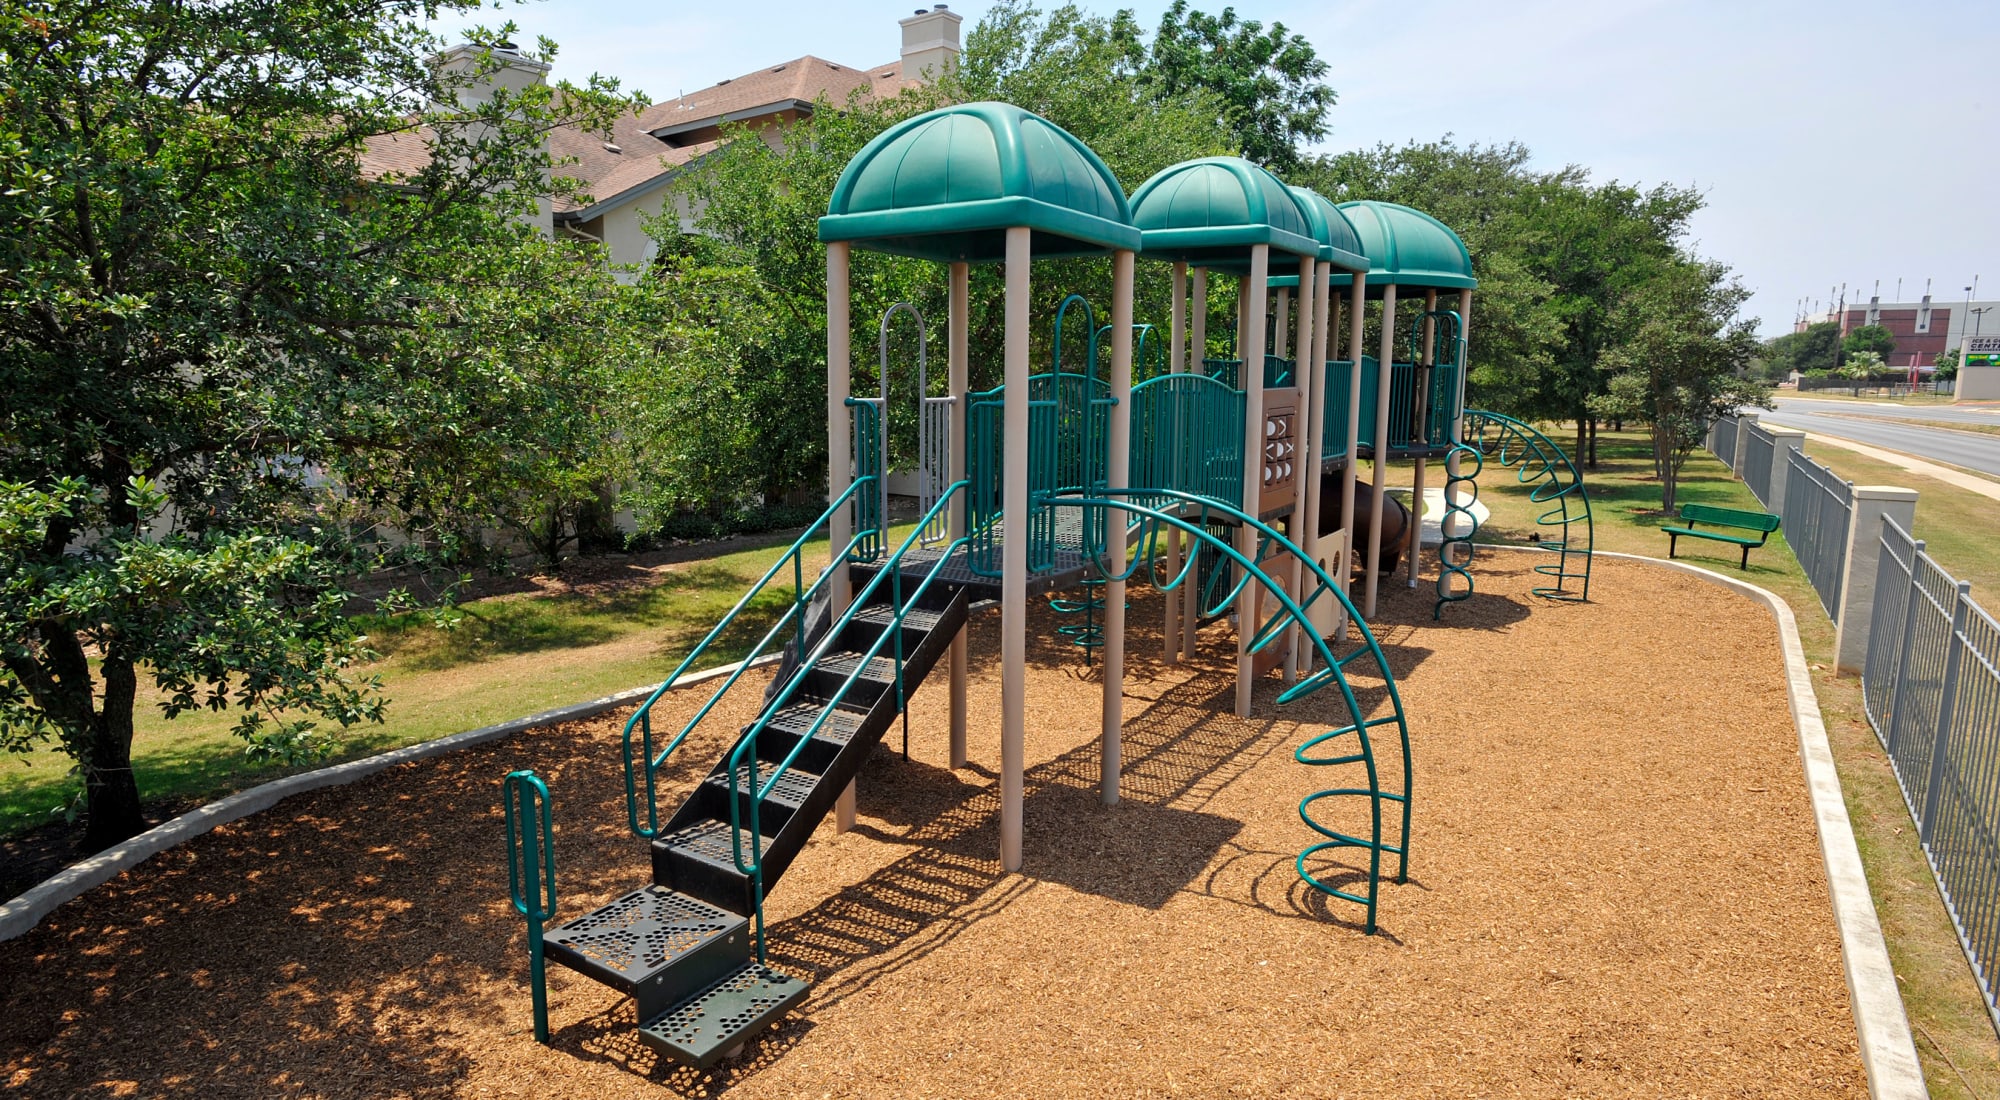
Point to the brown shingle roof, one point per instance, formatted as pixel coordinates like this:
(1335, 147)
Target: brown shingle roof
(641, 156)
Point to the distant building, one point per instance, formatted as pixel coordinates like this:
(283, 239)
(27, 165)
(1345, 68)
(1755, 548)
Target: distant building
(628, 178)
(1924, 329)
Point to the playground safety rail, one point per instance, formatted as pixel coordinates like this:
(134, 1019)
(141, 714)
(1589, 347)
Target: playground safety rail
(1558, 484)
(1931, 687)
(640, 771)
(531, 876)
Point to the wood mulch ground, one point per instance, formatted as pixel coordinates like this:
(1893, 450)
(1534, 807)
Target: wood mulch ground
(1616, 890)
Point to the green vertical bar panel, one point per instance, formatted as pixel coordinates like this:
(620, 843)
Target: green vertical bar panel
(531, 875)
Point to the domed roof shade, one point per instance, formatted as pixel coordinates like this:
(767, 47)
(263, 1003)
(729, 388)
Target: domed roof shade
(1339, 244)
(1408, 247)
(1210, 212)
(947, 185)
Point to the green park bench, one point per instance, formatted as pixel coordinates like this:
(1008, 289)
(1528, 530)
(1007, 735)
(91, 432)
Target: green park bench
(1733, 519)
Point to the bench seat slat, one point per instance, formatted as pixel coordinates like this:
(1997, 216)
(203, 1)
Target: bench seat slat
(1716, 535)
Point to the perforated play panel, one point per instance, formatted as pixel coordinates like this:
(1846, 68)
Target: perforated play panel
(703, 1028)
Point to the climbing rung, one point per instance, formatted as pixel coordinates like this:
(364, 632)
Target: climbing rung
(706, 1027)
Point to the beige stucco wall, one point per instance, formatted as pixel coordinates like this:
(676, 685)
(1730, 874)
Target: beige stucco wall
(1979, 383)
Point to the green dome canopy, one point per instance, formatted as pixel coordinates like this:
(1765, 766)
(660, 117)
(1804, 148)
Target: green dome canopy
(1210, 212)
(1340, 245)
(1408, 248)
(947, 184)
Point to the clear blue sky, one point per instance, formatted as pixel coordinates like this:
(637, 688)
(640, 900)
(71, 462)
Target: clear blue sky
(1835, 141)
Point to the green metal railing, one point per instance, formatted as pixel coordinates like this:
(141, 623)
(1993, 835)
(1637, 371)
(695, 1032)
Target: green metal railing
(743, 758)
(1156, 510)
(531, 876)
(1187, 435)
(1336, 401)
(1557, 484)
(790, 628)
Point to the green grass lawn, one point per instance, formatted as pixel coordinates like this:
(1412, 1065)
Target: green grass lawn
(1955, 1037)
(509, 656)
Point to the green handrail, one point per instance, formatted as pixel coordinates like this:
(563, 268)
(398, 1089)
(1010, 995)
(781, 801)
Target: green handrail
(531, 876)
(890, 573)
(1191, 515)
(794, 618)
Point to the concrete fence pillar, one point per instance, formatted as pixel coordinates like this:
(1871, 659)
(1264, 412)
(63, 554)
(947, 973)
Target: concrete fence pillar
(1743, 423)
(1783, 442)
(1857, 577)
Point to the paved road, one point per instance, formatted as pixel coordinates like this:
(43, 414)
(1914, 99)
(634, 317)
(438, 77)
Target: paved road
(1974, 452)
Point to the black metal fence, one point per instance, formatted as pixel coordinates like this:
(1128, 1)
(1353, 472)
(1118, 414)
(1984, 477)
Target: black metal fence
(1759, 447)
(1931, 686)
(1816, 511)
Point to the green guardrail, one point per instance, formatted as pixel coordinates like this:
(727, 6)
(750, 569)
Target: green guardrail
(531, 876)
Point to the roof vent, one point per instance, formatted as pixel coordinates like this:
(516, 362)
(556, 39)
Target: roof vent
(720, 83)
(778, 69)
(612, 147)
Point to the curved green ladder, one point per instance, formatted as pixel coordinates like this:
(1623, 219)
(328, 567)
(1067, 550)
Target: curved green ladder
(1538, 461)
(1193, 514)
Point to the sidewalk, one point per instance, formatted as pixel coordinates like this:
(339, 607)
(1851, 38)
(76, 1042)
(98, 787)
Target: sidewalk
(1971, 482)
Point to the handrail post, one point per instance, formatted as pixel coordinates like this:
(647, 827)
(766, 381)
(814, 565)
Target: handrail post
(1894, 710)
(1947, 691)
(531, 875)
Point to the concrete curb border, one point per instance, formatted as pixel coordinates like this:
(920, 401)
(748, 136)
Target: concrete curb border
(1888, 1050)
(26, 911)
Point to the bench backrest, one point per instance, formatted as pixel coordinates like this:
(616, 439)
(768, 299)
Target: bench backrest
(1730, 517)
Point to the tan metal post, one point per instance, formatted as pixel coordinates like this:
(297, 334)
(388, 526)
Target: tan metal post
(1283, 317)
(839, 449)
(1197, 364)
(1422, 401)
(1118, 474)
(1383, 370)
(1458, 417)
(1250, 348)
(958, 359)
(1357, 329)
(1315, 450)
(1303, 451)
(1014, 551)
(1176, 363)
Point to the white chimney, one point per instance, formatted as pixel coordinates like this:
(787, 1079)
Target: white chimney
(463, 64)
(930, 43)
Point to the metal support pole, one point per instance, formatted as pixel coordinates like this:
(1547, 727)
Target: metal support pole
(1250, 348)
(1305, 455)
(1281, 316)
(531, 876)
(1322, 334)
(1176, 364)
(1457, 415)
(1357, 329)
(1383, 371)
(839, 451)
(1198, 364)
(1014, 550)
(959, 383)
(1118, 475)
(1961, 599)
(1420, 399)
(1892, 739)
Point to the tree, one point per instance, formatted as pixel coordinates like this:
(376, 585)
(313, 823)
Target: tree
(1946, 363)
(1679, 369)
(225, 356)
(1816, 347)
(1859, 367)
(1871, 338)
(1268, 84)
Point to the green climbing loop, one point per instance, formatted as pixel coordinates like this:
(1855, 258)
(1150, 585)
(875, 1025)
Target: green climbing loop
(1555, 483)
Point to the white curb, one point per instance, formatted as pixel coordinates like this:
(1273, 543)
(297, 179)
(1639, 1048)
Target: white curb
(26, 911)
(1888, 1051)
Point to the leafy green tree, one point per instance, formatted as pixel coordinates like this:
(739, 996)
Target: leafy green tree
(224, 354)
(1817, 347)
(1268, 84)
(1871, 338)
(1946, 363)
(1859, 367)
(1680, 367)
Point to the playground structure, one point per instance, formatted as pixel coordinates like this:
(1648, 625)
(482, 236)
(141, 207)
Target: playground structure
(1205, 479)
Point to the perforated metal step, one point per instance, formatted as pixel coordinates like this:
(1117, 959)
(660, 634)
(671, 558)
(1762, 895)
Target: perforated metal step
(709, 840)
(882, 614)
(838, 729)
(881, 670)
(700, 1030)
(790, 791)
(634, 938)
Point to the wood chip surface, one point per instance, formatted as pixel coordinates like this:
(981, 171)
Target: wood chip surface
(1616, 890)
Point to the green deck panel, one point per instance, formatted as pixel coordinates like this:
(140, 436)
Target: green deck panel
(1212, 211)
(1407, 247)
(947, 185)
